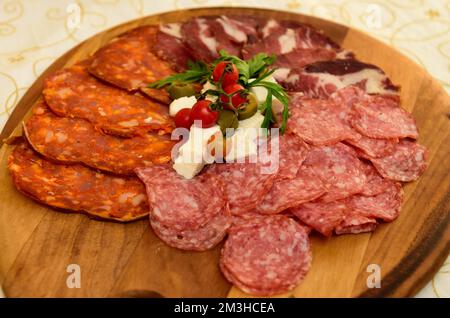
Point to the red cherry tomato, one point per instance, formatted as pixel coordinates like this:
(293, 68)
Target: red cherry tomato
(202, 111)
(183, 118)
(231, 75)
(237, 99)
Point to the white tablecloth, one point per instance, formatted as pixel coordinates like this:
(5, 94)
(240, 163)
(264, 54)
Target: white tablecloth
(33, 33)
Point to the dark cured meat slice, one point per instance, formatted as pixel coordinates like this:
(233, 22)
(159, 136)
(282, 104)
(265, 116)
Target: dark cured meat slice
(317, 121)
(339, 169)
(375, 184)
(268, 258)
(72, 92)
(128, 62)
(378, 117)
(201, 239)
(73, 140)
(245, 184)
(405, 163)
(293, 151)
(284, 194)
(182, 204)
(76, 187)
(170, 47)
(323, 78)
(355, 223)
(206, 36)
(323, 217)
(385, 206)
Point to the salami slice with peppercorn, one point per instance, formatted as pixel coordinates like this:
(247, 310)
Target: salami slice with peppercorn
(267, 258)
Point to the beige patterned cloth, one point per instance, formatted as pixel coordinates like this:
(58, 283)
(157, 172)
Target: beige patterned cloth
(33, 33)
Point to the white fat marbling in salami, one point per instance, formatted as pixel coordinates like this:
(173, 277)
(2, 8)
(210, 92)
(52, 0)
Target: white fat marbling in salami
(267, 258)
(182, 204)
(287, 193)
(339, 169)
(405, 163)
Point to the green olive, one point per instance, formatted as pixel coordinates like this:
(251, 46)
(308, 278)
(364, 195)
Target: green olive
(227, 119)
(249, 109)
(181, 90)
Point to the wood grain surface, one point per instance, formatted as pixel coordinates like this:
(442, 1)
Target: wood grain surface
(127, 260)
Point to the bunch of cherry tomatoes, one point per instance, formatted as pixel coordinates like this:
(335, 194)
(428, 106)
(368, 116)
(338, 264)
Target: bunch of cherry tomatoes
(225, 76)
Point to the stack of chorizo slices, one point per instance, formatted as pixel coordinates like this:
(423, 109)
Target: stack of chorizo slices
(98, 142)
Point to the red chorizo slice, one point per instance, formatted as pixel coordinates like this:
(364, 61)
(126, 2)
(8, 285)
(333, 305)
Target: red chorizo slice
(380, 117)
(182, 204)
(354, 223)
(339, 169)
(317, 121)
(405, 163)
(385, 206)
(246, 184)
(201, 239)
(267, 258)
(323, 217)
(72, 92)
(75, 140)
(76, 187)
(306, 186)
(128, 61)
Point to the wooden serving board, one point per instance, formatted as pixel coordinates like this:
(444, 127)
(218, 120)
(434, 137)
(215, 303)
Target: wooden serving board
(127, 260)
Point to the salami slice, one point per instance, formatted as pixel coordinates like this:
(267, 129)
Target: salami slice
(323, 217)
(371, 147)
(72, 92)
(170, 47)
(375, 183)
(317, 121)
(246, 184)
(268, 258)
(339, 169)
(73, 140)
(385, 206)
(201, 239)
(293, 151)
(182, 204)
(376, 117)
(405, 163)
(287, 193)
(77, 188)
(128, 61)
(355, 223)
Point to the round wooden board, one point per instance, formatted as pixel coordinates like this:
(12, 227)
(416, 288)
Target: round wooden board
(127, 260)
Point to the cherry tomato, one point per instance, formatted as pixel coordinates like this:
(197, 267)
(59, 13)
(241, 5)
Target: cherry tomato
(202, 111)
(237, 99)
(231, 75)
(183, 118)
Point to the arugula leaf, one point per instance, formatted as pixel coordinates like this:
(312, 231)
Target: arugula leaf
(196, 72)
(259, 63)
(268, 116)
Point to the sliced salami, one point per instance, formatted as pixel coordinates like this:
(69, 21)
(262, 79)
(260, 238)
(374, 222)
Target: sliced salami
(268, 258)
(73, 140)
(72, 92)
(287, 193)
(128, 61)
(405, 163)
(354, 223)
(76, 187)
(339, 169)
(375, 183)
(246, 184)
(385, 206)
(201, 239)
(323, 217)
(317, 121)
(371, 147)
(378, 117)
(323, 78)
(182, 204)
(293, 151)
